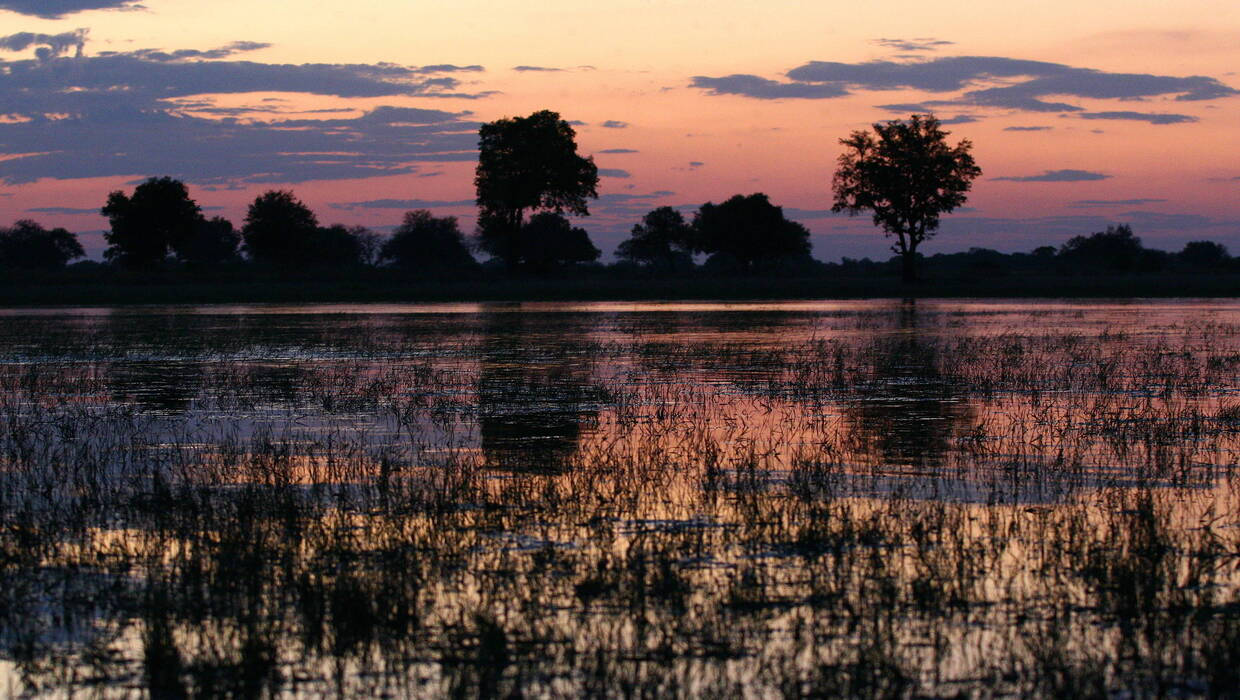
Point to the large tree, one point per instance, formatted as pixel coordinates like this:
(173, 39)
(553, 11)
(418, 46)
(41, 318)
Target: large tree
(906, 174)
(279, 229)
(525, 165)
(548, 241)
(157, 219)
(748, 229)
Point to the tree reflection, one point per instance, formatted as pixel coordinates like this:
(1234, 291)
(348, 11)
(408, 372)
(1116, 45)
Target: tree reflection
(908, 412)
(536, 392)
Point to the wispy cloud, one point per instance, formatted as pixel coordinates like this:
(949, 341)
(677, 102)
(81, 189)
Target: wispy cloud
(1100, 203)
(1055, 176)
(403, 204)
(1149, 118)
(919, 44)
(1028, 128)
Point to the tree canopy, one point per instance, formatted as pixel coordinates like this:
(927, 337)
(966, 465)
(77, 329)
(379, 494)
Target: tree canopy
(748, 229)
(27, 245)
(907, 175)
(663, 239)
(427, 242)
(528, 164)
(160, 217)
(548, 241)
(279, 229)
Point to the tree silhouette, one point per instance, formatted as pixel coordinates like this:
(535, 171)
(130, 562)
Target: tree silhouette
(548, 241)
(158, 218)
(528, 164)
(213, 242)
(1116, 249)
(1204, 255)
(748, 229)
(279, 229)
(663, 240)
(426, 242)
(906, 175)
(27, 245)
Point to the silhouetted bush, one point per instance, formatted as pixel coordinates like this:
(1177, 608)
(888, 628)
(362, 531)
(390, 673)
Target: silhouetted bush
(548, 241)
(748, 229)
(663, 240)
(213, 242)
(1115, 249)
(1204, 255)
(27, 245)
(427, 243)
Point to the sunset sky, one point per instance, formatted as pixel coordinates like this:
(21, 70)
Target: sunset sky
(1081, 113)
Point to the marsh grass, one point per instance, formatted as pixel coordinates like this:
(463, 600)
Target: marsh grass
(881, 502)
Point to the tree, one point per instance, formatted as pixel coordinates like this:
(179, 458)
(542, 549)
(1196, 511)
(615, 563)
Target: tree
(906, 175)
(1116, 249)
(748, 229)
(424, 241)
(369, 244)
(157, 219)
(548, 240)
(279, 229)
(213, 242)
(528, 164)
(27, 245)
(1204, 255)
(663, 239)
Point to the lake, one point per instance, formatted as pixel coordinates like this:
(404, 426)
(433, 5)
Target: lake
(875, 498)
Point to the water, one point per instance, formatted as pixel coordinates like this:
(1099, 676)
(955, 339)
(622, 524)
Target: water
(762, 499)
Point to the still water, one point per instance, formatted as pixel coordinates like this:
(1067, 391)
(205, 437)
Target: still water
(875, 498)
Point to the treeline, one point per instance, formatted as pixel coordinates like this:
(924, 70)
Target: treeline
(160, 227)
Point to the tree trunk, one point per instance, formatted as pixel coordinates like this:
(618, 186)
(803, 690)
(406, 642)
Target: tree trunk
(908, 272)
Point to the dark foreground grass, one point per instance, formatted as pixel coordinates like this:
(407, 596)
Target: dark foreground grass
(379, 286)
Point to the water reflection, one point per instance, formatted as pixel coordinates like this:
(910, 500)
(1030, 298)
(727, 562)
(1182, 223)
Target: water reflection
(906, 410)
(536, 391)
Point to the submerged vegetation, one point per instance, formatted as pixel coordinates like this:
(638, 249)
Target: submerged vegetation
(875, 499)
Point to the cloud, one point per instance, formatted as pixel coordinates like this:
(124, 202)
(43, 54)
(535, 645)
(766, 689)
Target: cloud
(614, 124)
(1140, 117)
(162, 56)
(919, 44)
(1055, 176)
(614, 172)
(537, 69)
(140, 113)
(1026, 83)
(49, 45)
(1028, 128)
(960, 119)
(1096, 203)
(764, 89)
(55, 9)
(64, 210)
(619, 150)
(449, 68)
(403, 204)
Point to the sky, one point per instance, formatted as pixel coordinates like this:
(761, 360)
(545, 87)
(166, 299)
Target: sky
(1081, 114)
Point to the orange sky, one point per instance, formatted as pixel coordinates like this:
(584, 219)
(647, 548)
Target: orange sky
(635, 62)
